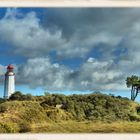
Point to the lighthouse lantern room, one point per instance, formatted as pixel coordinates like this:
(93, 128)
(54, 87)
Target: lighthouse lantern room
(9, 85)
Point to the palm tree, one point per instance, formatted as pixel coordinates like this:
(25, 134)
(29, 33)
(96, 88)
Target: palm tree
(134, 83)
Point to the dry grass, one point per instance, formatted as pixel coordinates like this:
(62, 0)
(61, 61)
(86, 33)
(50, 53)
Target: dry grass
(87, 127)
(29, 116)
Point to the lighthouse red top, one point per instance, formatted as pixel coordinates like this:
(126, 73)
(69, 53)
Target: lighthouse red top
(10, 67)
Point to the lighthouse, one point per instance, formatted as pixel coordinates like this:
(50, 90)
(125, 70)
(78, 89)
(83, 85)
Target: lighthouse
(9, 85)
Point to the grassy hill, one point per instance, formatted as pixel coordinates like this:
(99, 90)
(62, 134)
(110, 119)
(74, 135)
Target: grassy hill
(63, 114)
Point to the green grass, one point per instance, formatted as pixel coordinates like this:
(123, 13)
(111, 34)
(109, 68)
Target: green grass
(87, 127)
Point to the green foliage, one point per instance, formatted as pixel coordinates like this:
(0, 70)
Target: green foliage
(20, 97)
(16, 96)
(19, 113)
(93, 106)
(132, 80)
(27, 97)
(58, 115)
(7, 127)
(134, 83)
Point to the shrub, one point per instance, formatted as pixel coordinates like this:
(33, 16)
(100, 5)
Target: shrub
(3, 108)
(8, 127)
(24, 127)
(58, 115)
(16, 96)
(27, 97)
(21, 97)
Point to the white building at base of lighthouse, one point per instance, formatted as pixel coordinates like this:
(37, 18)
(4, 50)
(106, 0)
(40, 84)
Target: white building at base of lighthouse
(9, 85)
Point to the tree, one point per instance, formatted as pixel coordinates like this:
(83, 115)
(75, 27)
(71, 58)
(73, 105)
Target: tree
(16, 96)
(134, 83)
(20, 97)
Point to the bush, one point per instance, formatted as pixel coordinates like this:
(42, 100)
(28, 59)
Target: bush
(93, 107)
(8, 127)
(58, 115)
(16, 96)
(24, 127)
(20, 97)
(3, 108)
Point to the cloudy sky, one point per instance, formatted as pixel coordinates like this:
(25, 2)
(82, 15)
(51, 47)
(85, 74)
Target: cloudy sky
(70, 49)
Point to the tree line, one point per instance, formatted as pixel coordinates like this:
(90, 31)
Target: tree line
(94, 106)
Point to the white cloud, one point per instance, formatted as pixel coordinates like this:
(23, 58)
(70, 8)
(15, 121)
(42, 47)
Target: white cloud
(101, 74)
(80, 32)
(41, 72)
(26, 34)
(93, 75)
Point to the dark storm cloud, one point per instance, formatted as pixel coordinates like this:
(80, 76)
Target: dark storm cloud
(70, 20)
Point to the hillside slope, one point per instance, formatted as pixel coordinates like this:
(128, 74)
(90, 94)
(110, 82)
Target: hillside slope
(40, 114)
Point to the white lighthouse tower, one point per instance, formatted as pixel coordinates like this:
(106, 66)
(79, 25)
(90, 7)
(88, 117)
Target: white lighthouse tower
(9, 85)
